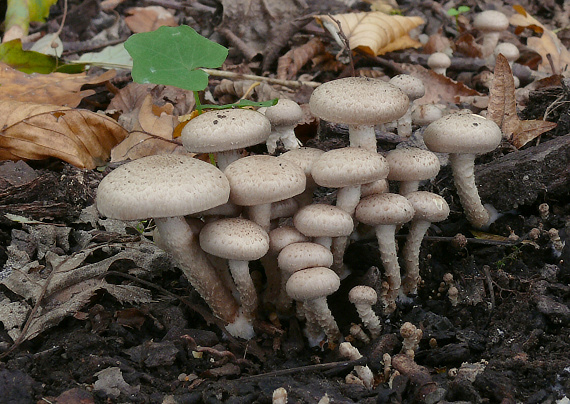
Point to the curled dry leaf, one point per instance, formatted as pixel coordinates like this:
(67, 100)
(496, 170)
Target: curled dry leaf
(263, 92)
(373, 32)
(290, 63)
(36, 131)
(54, 88)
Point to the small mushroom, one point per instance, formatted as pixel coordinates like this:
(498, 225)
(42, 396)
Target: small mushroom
(414, 89)
(347, 350)
(363, 298)
(439, 62)
(490, 23)
(283, 116)
(410, 165)
(323, 222)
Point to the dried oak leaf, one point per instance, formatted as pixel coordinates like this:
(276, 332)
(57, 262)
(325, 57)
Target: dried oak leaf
(290, 63)
(36, 131)
(54, 88)
(502, 108)
(373, 32)
(146, 19)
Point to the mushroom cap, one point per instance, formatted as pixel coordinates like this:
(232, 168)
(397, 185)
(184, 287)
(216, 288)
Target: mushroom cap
(223, 130)
(428, 206)
(358, 101)
(508, 50)
(412, 86)
(363, 295)
(234, 239)
(412, 164)
(281, 237)
(319, 220)
(462, 133)
(285, 113)
(425, 114)
(161, 186)
(285, 208)
(257, 180)
(297, 256)
(491, 21)
(312, 283)
(349, 166)
(304, 157)
(438, 60)
(384, 209)
(376, 187)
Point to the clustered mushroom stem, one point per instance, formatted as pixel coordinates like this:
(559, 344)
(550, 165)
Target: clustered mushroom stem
(411, 255)
(338, 248)
(407, 187)
(287, 136)
(324, 241)
(225, 158)
(347, 350)
(386, 235)
(182, 242)
(244, 285)
(405, 123)
(462, 166)
(369, 319)
(313, 330)
(261, 214)
(323, 316)
(347, 198)
(362, 136)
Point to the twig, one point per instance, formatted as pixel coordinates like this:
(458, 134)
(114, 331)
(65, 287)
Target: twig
(486, 269)
(239, 76)
(346, 43)
(58, 32)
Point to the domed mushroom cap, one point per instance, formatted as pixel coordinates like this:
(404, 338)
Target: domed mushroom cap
(508, 50)
(319, 220)
(428, 206)
(348, 166)
(285, 113)
(462, 133)
(412, 86)
(384, 209)
(363, 295)
(297, 256)
(412, 164)
(234, 239)
(358, 101)
(438, 60)
(281, 237)
(257, 180)
(161, 186)
(312, 283)
(304, 157)
(490, 20)
(223, 130)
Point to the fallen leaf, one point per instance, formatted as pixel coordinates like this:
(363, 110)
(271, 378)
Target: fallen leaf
(20, 13)
(384, 6)
(290, 63)
(372, 32)
(36, 131)
(115, 56)
(54, 88)
(146, 19)
(44, 45)
(502, 108)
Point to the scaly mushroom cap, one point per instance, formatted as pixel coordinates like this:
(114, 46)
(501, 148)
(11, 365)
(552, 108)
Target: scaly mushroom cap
(491, 21)
(297, 256)
(312, 283)
(381, 209)
(428, 206)
(257, 180)
(234, 239)
(358, 101)
(462, 133)
(412, 164)
(363, 295)
(349, 166)
(223, 130)
(412, 86)
(281, 237)
(304, 157)
(161, 186)
(319, 220)
(285, 113)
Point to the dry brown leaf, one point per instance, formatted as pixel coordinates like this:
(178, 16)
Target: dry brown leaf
(146, 19)
(54, 88)
(372, 32)
(37, 131)
(503, 110)
(384, 6)
(238, 88)
(547, 44)
(290, 63)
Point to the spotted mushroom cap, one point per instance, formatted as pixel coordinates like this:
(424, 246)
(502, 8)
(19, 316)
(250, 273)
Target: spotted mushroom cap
(384, 209)
(363, 295)
(305, 157)
(312, 283)
(285, 113)
(412, 164)
(319, 220)
(412, 86)
(428, 206)
(297, 256)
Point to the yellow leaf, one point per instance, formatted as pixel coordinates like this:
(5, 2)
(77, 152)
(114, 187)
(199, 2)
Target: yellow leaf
(372, 32)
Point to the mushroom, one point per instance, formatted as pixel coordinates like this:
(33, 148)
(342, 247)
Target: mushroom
(463, 136)
(363, 298)
(258, 181)
(385, 212)
(283, 116)
(410, 165)
(425, 114)
(323, 222)
(225, 132)
(167, 187)
(412, 336)
(414, 89)
(239, 241)
(347, 350)
(490, 23)
(428, 208)
(511, 53)
(304, 157)
(312, 286)
(439, 62)
(361, 103)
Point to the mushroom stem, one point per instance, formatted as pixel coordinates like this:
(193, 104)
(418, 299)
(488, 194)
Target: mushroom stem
(362, 136)
(244, 285)
(405, 123)
(225, 158)
(261, 214)
(462, 166)
(411, 255)
(407, 187)
(386, 235)
(181, 240)
(347, 198)
(323, 316)
(324, 241)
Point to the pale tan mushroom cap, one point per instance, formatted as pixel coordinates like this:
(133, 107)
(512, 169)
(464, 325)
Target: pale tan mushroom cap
(508, 50)
(297, 256)
(438, 60)
(363, 295)
(491, 20)
(304, 157)
(223, 130)
(412, 86)
(319, 220)
(358, 101)
(349, 166)
(462, 133)
(285, 113)
(428, 206)
(234, 239)
(412, 164)
(312, 283)
(281, 237)
(384, 209)
(257, 180)
(161, 186)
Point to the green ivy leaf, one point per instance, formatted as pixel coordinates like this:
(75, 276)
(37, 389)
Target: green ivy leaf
(242, 103)
(453, 12)
(173, 56)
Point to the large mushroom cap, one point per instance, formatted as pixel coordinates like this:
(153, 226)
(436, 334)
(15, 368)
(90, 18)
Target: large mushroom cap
(412, 164)
(161, 186)
(319, 220)
(257, 180)
(349, 166)
(312, 283)
(358, 101)
(229, 129)
(234, 239)
(428, 206)
(384, 209)
(462, 133)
